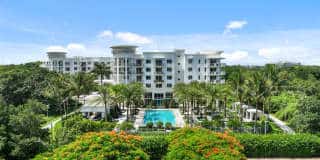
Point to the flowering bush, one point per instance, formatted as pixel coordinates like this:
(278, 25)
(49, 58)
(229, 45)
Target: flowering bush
(100, 146)
(201, 144)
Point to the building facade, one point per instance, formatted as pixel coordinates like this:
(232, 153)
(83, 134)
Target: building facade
(157, 71)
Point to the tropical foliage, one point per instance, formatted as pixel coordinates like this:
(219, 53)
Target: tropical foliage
(280, 145)
(199, 143)
(100, 146)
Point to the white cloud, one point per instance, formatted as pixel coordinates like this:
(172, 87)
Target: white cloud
(286, 53)
(56, 49)
(105, 34)
(76, 47)
(232, 25)
(236, 56)
(132, 38)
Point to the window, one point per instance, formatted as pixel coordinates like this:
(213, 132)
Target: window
(169, 69)
(168, 95)
(148, 77)
(139, 78)
(190, 77)
(205, 61)
(205, 77)
(89, 68)
(169, 61)
(75, 63)
(178, 64)
(178, 79)
(67, 63)
(159, 85)
(148, 61)
(198, 69)
(178, 56)
(159, 70)
(89, 63)
(199, 61)
(148, 85)
(75, 68)
(159, 78)
(205, 69)
(169, 85)
(178, 71)
(169, 77)
(148, 95)
(199, 77)
(190, 61)
(158, 96)
(67, 69)
(148, 69)
(190, 69)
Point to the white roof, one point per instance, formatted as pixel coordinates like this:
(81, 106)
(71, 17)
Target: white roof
(253, 110)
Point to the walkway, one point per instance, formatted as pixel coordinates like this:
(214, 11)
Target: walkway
(281, 124)
(54, 122)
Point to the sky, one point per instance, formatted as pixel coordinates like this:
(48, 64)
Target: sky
(249, 32)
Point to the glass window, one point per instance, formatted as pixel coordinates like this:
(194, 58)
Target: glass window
(148, 69)
(169, 85)
(169, 77)
(148, 77)
(148, 61)
(148, 85)
(190, 61)
(190, 77)
(169, 61)
(159, 85)
(169, 69)
(190, 69)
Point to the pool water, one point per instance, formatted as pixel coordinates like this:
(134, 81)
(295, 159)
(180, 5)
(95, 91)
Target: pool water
(155, 116)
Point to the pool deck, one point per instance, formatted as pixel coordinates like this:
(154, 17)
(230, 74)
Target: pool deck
(178, 117)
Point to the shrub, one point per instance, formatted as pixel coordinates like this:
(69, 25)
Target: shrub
(126, 126)
(280, 145)
(149, 125)
(159, 124)
(168, 125)
(100, 146)
(200, 143)
(155, 145)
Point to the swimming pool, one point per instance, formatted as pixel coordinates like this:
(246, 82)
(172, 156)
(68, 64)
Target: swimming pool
(156, 115)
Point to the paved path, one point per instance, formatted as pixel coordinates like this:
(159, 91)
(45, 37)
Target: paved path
(281, 124)
(54, 122)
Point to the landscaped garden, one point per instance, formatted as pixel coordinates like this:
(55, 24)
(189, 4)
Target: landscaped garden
(31, 96)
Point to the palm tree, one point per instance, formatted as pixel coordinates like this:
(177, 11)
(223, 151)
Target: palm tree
(133, 92)
(81, 83)
(239, 83)
(102, 70)
(260, 90)
(212, 92)
(179, 93)
(104, 97)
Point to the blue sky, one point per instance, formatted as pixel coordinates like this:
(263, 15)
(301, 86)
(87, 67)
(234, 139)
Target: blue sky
(250, 32)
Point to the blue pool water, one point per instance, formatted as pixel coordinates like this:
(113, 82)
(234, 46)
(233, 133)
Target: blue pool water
(159, 115)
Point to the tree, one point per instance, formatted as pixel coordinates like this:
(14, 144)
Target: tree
(21, 136)
(102, 70)
(104, 97)
(133, 93)
(81, 83)
(307, 118)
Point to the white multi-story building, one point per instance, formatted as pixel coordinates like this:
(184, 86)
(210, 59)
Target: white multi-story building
(157, 71)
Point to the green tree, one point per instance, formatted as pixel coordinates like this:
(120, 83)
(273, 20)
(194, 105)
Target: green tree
(307, 117)
(104, 97)
(102, 70)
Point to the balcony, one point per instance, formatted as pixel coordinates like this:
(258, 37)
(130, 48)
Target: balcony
(158, 81)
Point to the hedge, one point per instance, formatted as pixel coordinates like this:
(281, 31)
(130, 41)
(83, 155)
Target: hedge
(280, 145)
(155, 146)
